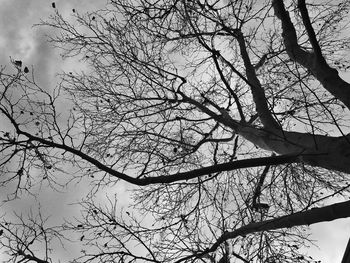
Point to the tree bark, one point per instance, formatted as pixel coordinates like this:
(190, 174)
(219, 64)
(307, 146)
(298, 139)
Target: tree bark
(318, 150)
(314, 62)
(306, 218)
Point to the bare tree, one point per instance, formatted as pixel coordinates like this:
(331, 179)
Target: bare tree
(229, 117)
(27, 238)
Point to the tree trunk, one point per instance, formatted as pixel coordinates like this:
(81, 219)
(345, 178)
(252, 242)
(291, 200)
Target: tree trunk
(318, 150)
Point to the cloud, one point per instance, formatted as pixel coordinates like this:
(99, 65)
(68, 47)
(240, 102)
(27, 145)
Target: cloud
(44, 59)
(21, 41)
(16, 34)
(13, 15)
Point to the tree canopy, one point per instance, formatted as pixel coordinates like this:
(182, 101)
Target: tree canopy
(227, 120)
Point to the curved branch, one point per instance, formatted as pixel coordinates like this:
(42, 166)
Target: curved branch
(326, 75)
(254, 162)
(303, 218)
(31, 258)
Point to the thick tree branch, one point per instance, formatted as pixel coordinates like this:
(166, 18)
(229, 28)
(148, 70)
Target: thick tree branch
(257, 91)
(31, 258)
(254, 162)
(303, 218)
(326, 75)
(310, 31)
(306, 218)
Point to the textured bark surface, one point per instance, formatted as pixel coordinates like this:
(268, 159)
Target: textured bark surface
(323, 151)
(327, 76)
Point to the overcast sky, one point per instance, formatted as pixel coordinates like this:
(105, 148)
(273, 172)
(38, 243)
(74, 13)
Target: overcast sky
(20, 41)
